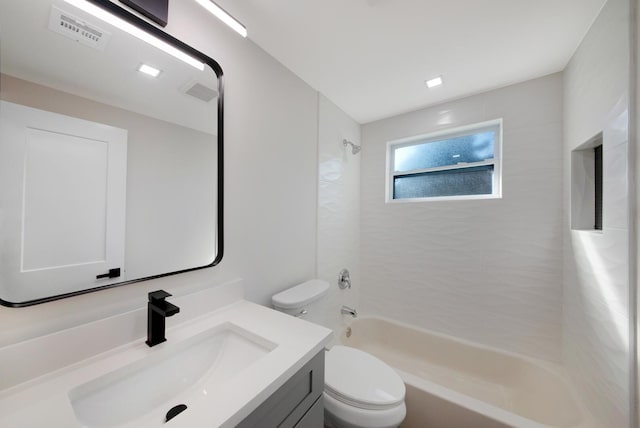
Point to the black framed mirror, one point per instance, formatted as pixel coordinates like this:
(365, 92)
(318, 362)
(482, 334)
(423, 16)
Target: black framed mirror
(111, 151)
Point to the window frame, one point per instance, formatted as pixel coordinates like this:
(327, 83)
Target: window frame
(415, 140)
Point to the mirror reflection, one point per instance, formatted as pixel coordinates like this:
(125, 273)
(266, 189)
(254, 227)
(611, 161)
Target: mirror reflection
(108, 155)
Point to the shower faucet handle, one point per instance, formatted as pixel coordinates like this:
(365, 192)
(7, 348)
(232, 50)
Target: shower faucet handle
(344, 279)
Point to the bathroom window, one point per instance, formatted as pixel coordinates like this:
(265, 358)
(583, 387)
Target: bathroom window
(462, 163)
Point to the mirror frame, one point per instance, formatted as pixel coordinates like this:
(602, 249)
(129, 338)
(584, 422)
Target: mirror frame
(130, 17)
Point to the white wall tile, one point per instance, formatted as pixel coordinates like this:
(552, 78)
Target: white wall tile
(596, 268)
(615, 208)
(489, 271)
(596, 321)
(583, 191)
(338, 208)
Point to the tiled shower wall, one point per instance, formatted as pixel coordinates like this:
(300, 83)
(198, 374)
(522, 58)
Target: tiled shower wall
(596, 285)
(489, 271)
(338, 207)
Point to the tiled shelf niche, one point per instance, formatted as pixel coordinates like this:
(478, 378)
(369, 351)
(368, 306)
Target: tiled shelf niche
(586, 185)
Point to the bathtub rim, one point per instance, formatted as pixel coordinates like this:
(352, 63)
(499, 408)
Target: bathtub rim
(474, 404)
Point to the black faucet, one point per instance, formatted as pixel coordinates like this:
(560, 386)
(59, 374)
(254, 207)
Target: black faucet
(157, 311)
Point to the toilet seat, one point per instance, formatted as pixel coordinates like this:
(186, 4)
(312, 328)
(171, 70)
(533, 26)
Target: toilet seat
(339, 414)
(359, 379)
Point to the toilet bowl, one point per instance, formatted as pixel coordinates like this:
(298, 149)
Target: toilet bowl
(360, 390)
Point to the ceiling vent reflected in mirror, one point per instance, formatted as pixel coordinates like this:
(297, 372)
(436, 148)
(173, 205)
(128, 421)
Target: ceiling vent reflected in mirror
(201, 92)
(78, 30)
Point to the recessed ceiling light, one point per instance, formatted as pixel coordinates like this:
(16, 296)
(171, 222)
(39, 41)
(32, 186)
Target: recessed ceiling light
(223, 16)
(432, 83)
(147, 69)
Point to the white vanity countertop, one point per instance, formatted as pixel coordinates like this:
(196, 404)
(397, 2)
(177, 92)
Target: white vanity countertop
(44, 401)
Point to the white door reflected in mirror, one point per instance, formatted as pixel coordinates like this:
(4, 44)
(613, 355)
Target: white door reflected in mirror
(63, 186)
(103, 167)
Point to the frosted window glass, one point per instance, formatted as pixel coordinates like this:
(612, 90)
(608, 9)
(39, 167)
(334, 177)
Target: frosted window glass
(455, 182)
(467, 148)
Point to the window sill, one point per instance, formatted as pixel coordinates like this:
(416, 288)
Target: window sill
(594, 231)
(443, 198)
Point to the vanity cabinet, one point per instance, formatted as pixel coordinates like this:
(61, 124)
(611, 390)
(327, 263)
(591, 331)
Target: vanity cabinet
(296, 404)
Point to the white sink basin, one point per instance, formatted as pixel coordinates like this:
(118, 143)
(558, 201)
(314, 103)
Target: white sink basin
(173, 373)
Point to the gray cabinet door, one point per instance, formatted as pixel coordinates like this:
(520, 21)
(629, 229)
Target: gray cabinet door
(314, 418)
(292, 402)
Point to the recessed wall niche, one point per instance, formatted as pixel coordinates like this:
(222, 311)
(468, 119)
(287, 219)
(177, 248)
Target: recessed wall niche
(586, 185)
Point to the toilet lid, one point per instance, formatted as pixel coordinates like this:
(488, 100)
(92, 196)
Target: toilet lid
(300, 295)
(360, 379)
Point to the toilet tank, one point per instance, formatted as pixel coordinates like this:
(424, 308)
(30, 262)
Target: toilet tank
(307, 301)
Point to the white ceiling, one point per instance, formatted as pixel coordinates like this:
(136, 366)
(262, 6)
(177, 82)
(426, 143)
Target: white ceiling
(371, 57)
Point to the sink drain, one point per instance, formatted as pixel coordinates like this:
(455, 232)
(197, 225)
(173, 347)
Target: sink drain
(175, 411)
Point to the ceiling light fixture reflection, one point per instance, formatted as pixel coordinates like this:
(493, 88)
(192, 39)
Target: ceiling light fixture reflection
(436, 81)
(107, 17)
(147, 69)
(223, 16)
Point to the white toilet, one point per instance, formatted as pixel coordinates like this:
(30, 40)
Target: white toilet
(360, 390)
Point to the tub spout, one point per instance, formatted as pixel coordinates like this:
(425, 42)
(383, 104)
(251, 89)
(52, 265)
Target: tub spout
(346, 310)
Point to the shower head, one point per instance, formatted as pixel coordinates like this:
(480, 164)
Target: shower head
(354, 147)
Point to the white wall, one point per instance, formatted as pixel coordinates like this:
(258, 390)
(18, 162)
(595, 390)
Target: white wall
(338, 208)
(270, 185)
(596, 290)
(489, 271)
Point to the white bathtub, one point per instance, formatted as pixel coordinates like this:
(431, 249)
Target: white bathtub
(456, 384)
